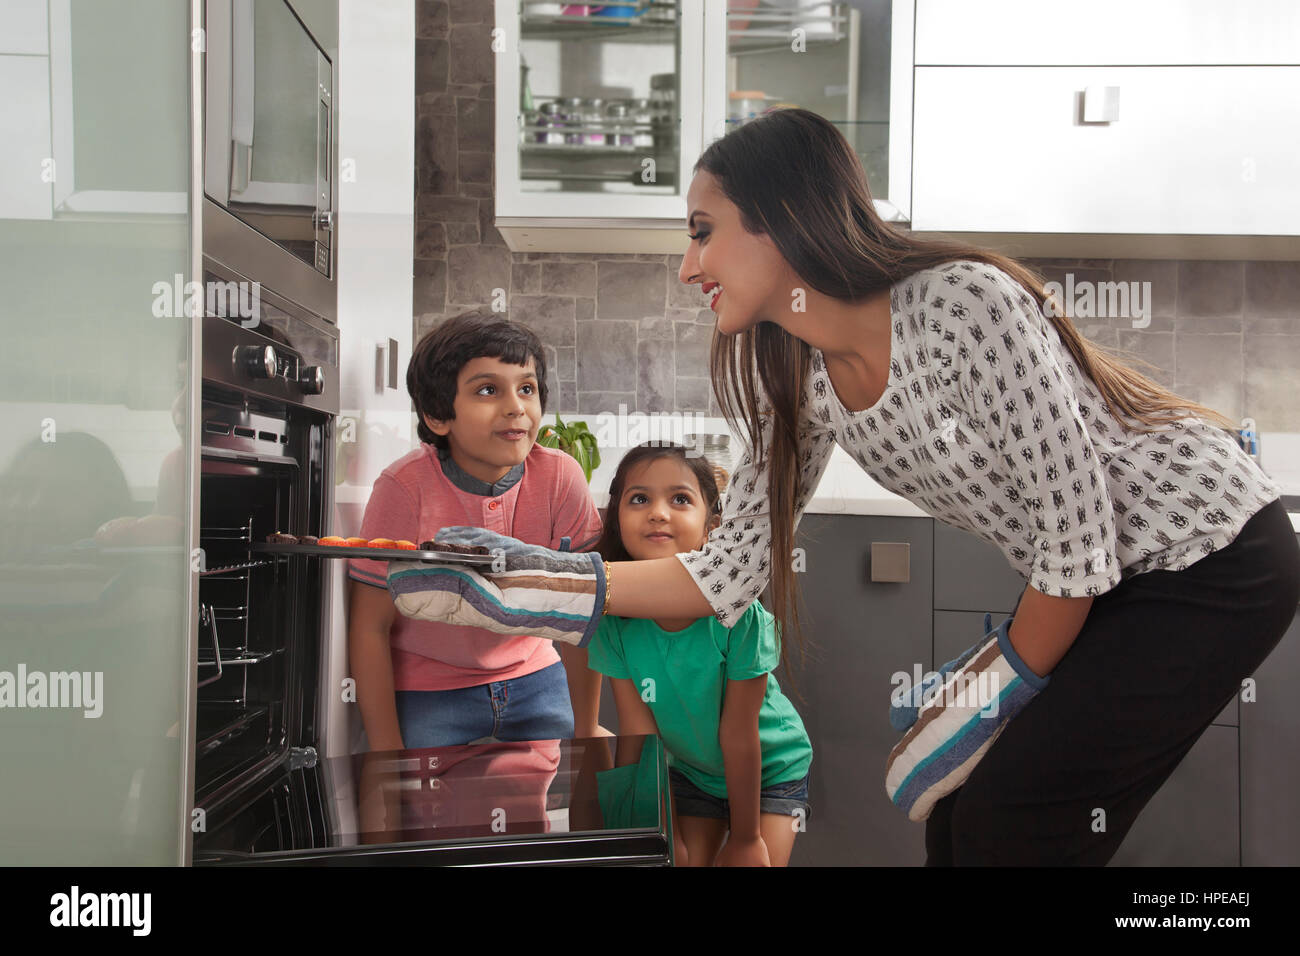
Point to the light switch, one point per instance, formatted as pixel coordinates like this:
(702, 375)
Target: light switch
(891, 561)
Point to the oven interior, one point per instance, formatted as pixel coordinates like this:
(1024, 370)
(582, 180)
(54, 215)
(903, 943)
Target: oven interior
(260, 615)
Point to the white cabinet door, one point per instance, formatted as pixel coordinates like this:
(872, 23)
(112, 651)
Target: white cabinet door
(1107, 32)
(604, 63)
(26, 167)
(1195, 151)
(24, 27)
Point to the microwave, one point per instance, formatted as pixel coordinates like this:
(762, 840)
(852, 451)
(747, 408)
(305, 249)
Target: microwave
(269, 152)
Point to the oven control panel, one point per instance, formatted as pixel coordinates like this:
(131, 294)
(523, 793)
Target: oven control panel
(272, 369)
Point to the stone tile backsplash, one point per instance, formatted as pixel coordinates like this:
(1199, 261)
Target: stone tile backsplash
(1226, 334)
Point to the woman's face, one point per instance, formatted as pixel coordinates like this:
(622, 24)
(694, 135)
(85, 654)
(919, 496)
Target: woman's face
(661, 511)
(753, 277)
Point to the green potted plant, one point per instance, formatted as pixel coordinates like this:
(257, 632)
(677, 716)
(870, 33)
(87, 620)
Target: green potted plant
(575, 440)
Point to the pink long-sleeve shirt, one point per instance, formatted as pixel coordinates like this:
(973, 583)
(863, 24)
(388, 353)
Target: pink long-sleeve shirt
(413, 499)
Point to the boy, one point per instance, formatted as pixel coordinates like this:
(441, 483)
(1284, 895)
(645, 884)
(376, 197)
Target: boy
(478, 382)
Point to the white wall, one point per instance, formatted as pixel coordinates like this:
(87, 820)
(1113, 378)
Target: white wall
(376, 227)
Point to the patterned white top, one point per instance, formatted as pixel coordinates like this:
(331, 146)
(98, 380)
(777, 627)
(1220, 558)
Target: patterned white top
(986, 424)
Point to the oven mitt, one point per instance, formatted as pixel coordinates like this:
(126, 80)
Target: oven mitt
(988, 685)
(529, 590)
(903, 707)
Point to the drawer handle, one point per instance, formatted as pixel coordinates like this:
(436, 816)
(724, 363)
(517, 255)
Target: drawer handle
(1100, 104)
(891, 561)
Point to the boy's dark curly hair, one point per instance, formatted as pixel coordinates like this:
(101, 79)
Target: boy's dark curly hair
(435, 365)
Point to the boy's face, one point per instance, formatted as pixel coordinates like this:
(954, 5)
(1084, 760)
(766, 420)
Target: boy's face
(498, 411)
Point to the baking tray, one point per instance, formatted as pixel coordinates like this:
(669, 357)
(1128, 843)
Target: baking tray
(374, 554)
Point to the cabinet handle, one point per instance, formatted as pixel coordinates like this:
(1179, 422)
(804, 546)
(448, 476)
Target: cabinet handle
(1101, 104)
(891, 561)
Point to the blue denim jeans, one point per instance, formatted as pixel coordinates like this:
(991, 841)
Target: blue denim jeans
(533, 707)
(782, 798)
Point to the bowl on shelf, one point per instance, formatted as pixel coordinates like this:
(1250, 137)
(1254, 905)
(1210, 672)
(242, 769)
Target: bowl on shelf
(616, 10)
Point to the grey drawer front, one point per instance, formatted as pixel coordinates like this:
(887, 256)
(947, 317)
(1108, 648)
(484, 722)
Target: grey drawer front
(970, 574)
(1270, 782)
(1192, 819)
(859, 634)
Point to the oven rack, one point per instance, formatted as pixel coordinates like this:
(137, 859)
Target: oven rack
(239, 533)
(242, 656)
(231, 568)
(219, 721)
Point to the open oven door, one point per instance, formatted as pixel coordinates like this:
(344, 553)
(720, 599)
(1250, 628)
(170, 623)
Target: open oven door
(600, 801)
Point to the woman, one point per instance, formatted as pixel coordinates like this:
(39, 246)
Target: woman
(1161, 566)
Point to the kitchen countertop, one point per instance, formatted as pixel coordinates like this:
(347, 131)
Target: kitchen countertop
(845, 488)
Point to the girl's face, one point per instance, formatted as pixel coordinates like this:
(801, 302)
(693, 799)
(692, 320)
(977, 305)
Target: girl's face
(755, 280)
(662, 511)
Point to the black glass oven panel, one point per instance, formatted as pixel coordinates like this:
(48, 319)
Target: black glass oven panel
(247, 304)
(552, 801)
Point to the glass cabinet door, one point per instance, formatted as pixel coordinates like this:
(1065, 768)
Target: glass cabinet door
(599, 111)
(850, 62)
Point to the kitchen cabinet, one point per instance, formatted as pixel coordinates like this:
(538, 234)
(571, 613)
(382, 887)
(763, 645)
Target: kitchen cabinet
(104, 783)
(112, 153)
(375, 236)
(850, 63)
(1270, 773)
(1106, 32)
(859, 632)
(26, 26)
(1003, 149)
(1193, 818)
(575, 176)
(26, 172)
(597, 119)
(971, 575)
(1063, 125)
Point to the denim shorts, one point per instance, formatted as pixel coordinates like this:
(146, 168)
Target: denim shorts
(533, 707)
(782, 798)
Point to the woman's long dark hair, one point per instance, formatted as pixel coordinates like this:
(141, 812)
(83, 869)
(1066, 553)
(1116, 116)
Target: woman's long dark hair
(794, 177)
(610, 546)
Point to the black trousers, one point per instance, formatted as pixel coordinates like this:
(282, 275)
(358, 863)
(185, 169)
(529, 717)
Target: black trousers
(1158, 657)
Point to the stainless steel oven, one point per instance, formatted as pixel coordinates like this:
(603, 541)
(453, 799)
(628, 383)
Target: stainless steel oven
(269, 153)
(269, 403)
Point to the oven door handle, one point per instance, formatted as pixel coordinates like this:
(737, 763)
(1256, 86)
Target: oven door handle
(208, 616)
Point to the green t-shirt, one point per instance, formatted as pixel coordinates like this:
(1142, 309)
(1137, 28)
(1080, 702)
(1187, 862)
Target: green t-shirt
(682, 676)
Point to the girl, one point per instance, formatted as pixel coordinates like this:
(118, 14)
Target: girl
(738, 752)
(1160, 565)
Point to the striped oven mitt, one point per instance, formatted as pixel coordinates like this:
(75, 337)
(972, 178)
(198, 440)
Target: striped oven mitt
(954, 724)
(528, 590)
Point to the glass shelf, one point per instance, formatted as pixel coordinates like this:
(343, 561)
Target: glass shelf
(599, 99)
(841, 72)
(769, 30)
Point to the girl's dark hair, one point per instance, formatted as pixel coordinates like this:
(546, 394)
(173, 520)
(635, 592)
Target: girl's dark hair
(610, 546)
(437, 359)
(794, 177)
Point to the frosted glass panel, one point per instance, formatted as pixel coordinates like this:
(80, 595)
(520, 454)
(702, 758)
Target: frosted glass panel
(94, 450)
